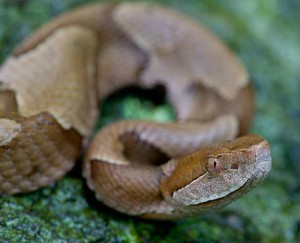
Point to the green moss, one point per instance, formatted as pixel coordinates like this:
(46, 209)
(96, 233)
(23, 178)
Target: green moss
(132, 103)
(266, 35)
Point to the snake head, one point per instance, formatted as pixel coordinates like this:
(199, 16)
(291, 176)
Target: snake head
(220, 173)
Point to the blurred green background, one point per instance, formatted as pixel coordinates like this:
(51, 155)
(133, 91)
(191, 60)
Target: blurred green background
(266, 36)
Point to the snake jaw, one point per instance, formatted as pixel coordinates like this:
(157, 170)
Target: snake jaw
(239, 168)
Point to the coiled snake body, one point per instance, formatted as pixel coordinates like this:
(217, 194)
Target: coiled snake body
(52, 83)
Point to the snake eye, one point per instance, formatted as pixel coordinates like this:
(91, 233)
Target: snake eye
(214, 165)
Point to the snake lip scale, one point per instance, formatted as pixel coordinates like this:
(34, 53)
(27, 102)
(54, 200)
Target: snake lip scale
(51, 86)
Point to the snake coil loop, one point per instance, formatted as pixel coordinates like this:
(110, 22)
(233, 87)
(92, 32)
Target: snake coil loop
(51, 86)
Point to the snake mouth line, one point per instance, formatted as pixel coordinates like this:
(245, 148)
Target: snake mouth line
(224, 199)
(258, 175)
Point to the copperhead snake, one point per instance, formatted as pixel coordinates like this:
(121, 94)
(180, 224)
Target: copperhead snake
(53, 82)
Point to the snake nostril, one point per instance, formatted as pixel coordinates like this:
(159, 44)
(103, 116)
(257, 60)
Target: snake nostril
(235, 166)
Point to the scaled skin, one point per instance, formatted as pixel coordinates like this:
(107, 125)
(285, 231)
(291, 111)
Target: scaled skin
(228, 170)
(198, 182)
(51, 85)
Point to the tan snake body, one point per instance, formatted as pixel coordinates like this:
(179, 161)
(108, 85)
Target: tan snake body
(52, 83)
